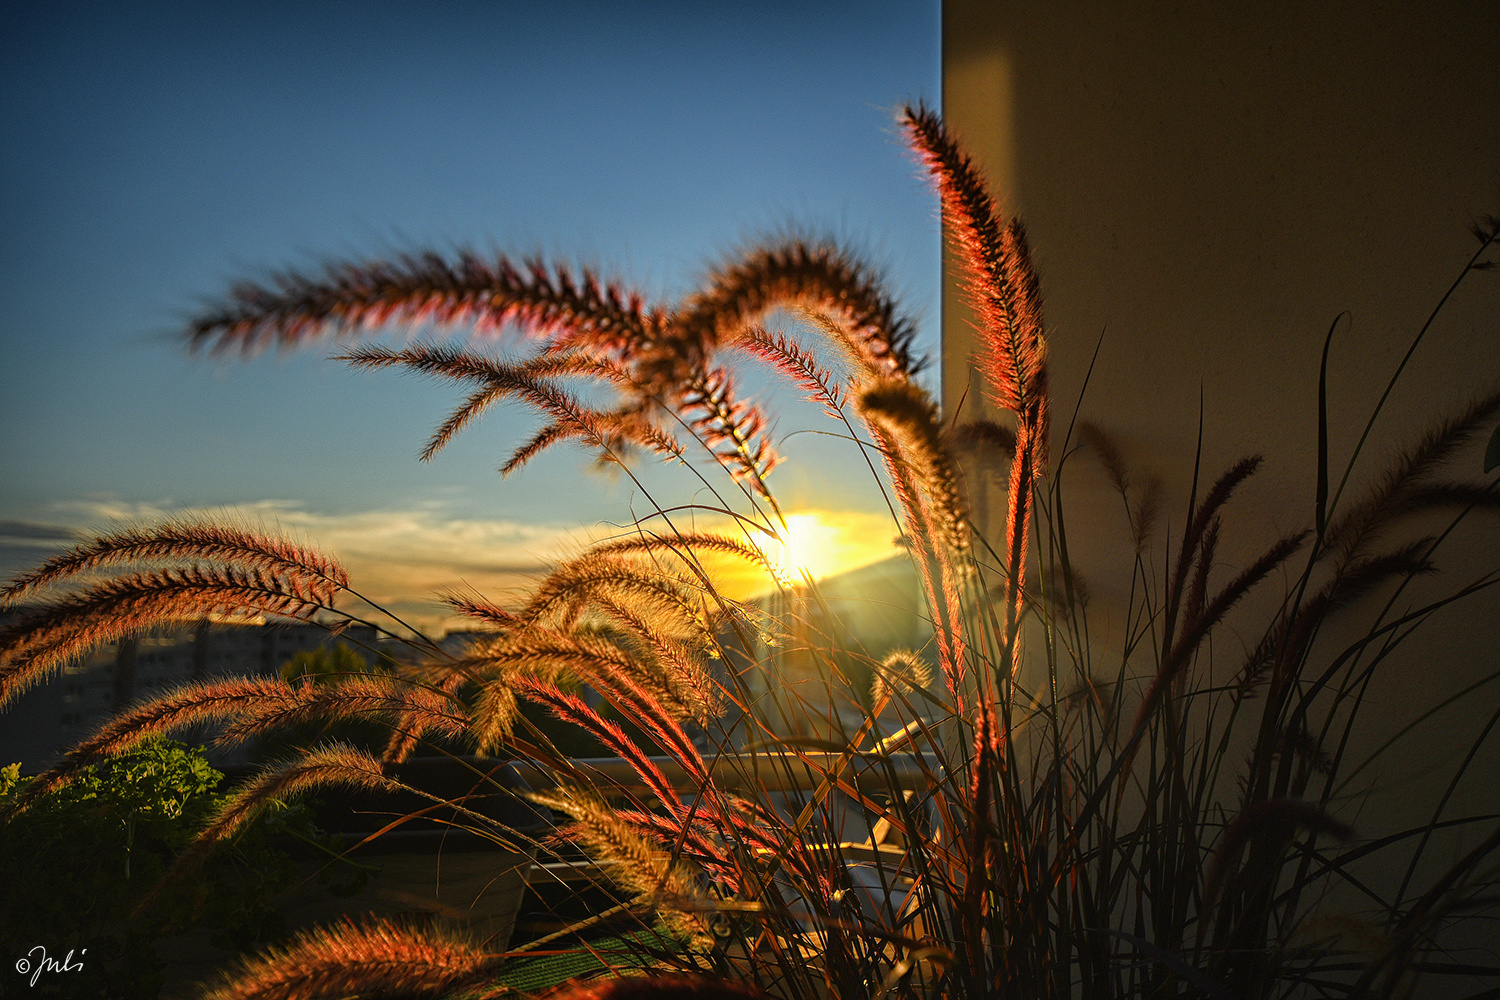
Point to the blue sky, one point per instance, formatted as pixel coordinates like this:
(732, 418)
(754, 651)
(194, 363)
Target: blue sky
(154, 153)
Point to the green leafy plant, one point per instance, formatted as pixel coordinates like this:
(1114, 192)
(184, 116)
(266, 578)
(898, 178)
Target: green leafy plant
(82, 857)
(1039, 816)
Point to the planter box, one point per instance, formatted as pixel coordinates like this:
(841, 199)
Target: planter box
(431, 866)
(423, 876)
(429, 870)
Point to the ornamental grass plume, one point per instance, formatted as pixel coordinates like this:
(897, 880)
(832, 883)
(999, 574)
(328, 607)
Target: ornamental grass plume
(370, 959)
(1010, 810)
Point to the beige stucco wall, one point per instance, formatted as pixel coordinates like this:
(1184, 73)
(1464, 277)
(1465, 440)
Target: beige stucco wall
(1209, 185)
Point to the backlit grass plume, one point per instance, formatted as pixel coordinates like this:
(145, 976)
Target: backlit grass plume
(1006, 808)
(178, 571)
(369, 959)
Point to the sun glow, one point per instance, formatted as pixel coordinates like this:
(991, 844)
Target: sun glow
(809, 547)
(818, 543)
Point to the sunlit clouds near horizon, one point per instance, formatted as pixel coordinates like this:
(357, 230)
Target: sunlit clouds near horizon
(400, 558)
(405, 560)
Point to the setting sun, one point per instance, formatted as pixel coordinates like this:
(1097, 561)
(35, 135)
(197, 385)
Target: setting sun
(815, 543)
(812, 547)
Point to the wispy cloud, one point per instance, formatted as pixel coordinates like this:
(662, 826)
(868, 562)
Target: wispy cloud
(30, 532)
(23, 544)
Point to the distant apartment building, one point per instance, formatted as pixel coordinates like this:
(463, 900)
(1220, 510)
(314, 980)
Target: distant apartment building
(56, 714)
(857, 618)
